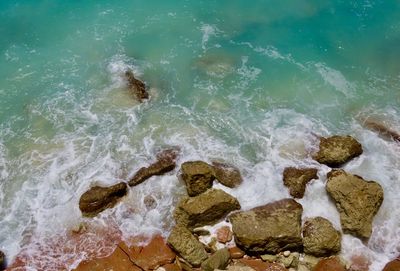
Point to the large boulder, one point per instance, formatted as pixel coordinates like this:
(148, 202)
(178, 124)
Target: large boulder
(187, 246)
(97, 198)
(227, 175)
(320, 238)
(357, 201)
(219, 260)
(336, 150)
(271, 228)
(297, 178)
(137, 87)
(205, 209)
(198, 176)
(165, 163)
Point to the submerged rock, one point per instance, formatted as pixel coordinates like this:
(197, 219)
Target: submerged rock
(198, 176)
(392, 266)
(381, 129)
(205, 209)
(357, 201)
(271, 228)
(297, 178)
(219, 260)
(165, 163)
(227, 174)
(137, 87)
(2, 260)
(187, 246)
(336, 150)
(320, 238)
(330, 264)
(97, 198)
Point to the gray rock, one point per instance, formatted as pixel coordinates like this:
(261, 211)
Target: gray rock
(320, 238)
(97, 198)
(271, 228)
(336, 150)
(297, 178)
(357, 201)
(187, 246)
(219, 260)
(205, 209)
(198, 177)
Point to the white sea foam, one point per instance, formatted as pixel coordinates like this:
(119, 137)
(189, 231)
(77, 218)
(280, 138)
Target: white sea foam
(208, 31)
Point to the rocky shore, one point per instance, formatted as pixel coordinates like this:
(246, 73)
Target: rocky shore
(211, 232)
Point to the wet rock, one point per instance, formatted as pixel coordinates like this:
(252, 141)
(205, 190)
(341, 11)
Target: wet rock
(219, 260)
(271, 228)
(165, 163)
(97, 198)
(236, 253)
(224, 234)
(137, 87)
(392, 266)
(259, 265)
(154, 254)
(330, 264)
(357, 201)
(2, 260)
(320, 238)
(150, 202)
(118, 261)
(201, 232)
(297, 178)
(187, 245)
(381, 129)
(198, 177)
(227, 174)
(205, 209)
(336, 150)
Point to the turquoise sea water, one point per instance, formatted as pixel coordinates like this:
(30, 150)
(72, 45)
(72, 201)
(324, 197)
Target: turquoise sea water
(248, 82)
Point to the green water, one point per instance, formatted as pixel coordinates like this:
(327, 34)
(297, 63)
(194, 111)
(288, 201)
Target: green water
(237, 80)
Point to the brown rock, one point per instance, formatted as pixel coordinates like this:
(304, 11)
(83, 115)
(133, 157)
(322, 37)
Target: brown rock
(271, 228)
(198, 177)
(219, 260)
(357, 201)
(165, 163)
(171, 267)
(150, 202)
(320, 238)
(227, 174)
(381, 129)
(205, 209)
(224, 234)
(156, 253)
(336, 150)
(137, 87)
(392, 266)
(259, 265)
(187, 246)
(2, 260)
(329, 264)
(297, 178)
(236, 253)
(97, 198)
(118, 261)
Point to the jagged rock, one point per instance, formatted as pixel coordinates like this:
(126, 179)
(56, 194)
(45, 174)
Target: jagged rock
(2, 260)
(198, 177)
(297, 178)
(137, 87)
(320, 238)
(205, 209)
(187, 245)
(357, 201)
(227, 174)
(219, 260)
(271, 228)
(165, 163)
(336, 150)
(392, 266)
(330, 264)
(97, 198)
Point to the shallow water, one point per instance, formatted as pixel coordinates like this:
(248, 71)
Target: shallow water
(247, 83)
